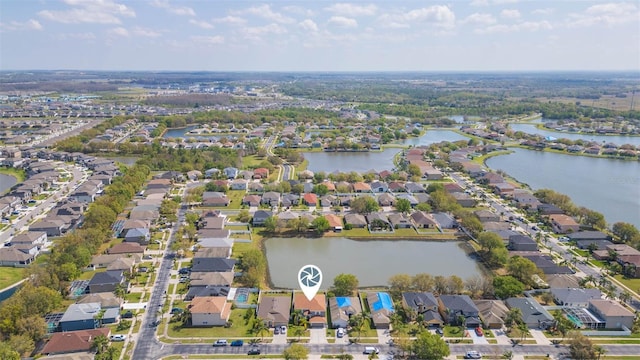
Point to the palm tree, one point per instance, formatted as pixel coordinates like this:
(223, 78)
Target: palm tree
(259, 328)
(599, 350)
(298, 331)
(100, 344)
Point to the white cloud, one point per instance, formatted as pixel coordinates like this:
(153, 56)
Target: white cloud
(308, 25)
(201, 24)
(75, 36)
(491, 2)
(479, 18)
(607, 14)
(545, 11)
(176, 10)
(439, 15)
(264, 11)
(343, 21)
(347, 9)
(256, 33)
(209, 40)
(523, 26)
(231, 20)
(510, 14)
(30, 24)
(144, 32)
(298, 10)
(118, 31)
(88, 11)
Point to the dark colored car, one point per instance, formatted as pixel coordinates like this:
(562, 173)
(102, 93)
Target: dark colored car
(254, 351)
(237, 343)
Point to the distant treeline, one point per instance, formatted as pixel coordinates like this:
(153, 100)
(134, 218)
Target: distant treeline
(189, 100)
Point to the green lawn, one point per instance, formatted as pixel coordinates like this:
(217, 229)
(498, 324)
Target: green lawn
(633, 284)
(10, 276)
(133, 297)
(235, 198)
(238, 329)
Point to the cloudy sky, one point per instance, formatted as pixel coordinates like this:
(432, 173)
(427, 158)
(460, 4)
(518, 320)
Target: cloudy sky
(319, 35)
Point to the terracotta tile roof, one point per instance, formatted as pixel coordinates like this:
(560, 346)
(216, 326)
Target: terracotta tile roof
(208, 305)
(73, 341)
(318, 303)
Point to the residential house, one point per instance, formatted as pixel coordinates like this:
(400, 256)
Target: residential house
(455, 307)
(413, 187)
(274, 310)
(396, 187)
(381, 306)
(209, 311)
(230, 172)
(211, 173)
(486, 215)
(310, 199)
(205, 291)
(314, 309)
(86, 316)
(614, 315)
(533, 314)
(546, 264)
(239, 184)
(464, 199)
(38, 238)
(425, 304)
(379, 186)
(289, 200)
(260, 216)
(210, 198)
(413, 200)
(212, 264)
(126, 248)
(492, 312)
(386, 199)
(11, 256)
(588, 235)
(251, 200)
(563, 224)
(335, 222)
(549, 209)
(361, 187)
(400, 221)
(203, 279)
(423, 220)
(261, 173)
(342, 309)
(141, 236)
(106, 300)
(271, 198)
(355, 220)
(194, 175)
(106, 281)
(50, 227)
(575, 297)
(73, 341)
(522, 243)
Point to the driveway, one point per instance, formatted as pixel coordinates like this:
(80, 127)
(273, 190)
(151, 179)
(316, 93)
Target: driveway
(477, 339)
(318, 336)
(383, 336)
(538, 335)
(501, 337)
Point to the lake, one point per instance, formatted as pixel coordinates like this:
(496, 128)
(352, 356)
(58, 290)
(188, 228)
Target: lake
(351, 161)
(372, 261)
(435, 136)
(616, 139)
(176, 133)
(6, 182)
(609, 186)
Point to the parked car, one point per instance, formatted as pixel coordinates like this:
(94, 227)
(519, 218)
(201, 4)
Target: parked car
(439, 332)
(371, 350)
(127, 315)
(254, 351)
(237, 343)
(479, 331)
(118, 337)
(473, 355)
(220, 342)
(340, 333)
(276, 330)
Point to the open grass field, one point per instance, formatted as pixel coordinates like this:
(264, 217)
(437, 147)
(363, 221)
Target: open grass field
(633, 284)
(10, 276)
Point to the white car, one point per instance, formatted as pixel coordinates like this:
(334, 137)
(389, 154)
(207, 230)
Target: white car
(118, 337)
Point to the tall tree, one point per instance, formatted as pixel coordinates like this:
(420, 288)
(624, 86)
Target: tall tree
(430, 346)
(403, 206)
(296, 352)
(345, 284)
(364, 205)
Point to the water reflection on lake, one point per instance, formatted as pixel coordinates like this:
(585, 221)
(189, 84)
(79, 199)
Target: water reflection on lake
(616, 139)
(351, 161)
(435, 136)
(6, 182)
(609, 186)
(373, 262)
